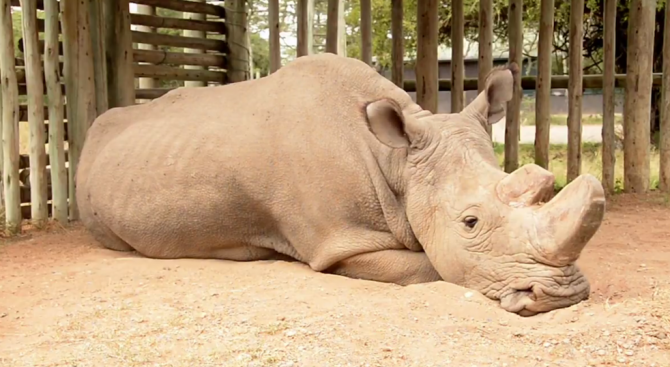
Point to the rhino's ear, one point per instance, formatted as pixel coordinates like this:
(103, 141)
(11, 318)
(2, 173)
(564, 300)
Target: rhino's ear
(499, 90)
(386, 121)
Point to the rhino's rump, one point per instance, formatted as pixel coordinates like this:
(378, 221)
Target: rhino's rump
(228, 173)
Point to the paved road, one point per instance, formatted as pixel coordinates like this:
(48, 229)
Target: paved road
(557, 135)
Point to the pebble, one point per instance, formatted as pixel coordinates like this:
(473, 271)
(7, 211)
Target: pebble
(601, 352)
(468, 294)
(290, 333)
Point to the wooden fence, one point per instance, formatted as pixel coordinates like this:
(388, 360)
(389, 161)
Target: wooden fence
(195, 53)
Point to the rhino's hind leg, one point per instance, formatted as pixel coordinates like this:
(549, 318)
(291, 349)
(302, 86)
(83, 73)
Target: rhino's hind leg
(402, 267)
(106, 237)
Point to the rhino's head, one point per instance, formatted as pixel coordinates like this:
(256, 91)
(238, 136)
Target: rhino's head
(501, 234)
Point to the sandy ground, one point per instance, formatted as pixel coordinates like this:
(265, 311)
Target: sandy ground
(65, 301)
(558, 134)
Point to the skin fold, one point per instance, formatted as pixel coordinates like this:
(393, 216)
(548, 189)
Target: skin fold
(328, 163)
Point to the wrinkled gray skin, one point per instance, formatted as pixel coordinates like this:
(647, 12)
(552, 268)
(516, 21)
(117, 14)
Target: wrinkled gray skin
(328, 163)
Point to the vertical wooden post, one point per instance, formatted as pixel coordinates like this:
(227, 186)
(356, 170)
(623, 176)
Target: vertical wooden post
(398, 45)
(426, 55)
(59, 180)
(543, 86)
(664, 138)
(99, 61)
(238, 44)
(10, 122)
(457, 57)
(332, 23)
(187, 33)
(147, 83)
(79, 85)
(341, 30)
(275, 48)
(119, 50)
(485, 47)
(575, 90)
(35, 91)
(608, 148)
(366, 31)
(637, 104)
(305, 27)
(513, 117)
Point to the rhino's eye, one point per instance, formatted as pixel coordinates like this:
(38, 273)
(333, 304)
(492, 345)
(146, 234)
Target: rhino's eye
(470, 221)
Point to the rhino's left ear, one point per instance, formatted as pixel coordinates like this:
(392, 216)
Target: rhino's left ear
(387, 122)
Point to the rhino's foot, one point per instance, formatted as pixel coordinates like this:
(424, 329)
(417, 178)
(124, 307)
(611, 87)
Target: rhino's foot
(402, 267)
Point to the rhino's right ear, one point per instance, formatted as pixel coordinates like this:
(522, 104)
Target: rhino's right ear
(385, 119)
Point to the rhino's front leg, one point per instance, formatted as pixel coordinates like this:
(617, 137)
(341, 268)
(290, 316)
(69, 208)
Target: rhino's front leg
(402, 267)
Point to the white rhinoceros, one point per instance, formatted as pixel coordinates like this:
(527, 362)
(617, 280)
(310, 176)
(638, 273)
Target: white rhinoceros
(328, 163)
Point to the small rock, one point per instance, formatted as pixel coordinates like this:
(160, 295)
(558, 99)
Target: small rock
(621, 359)
(547, 345)
(287, 364)
(468, 294)
(386, 349)
(628, 353)
(290, 333)
(601, 352)
(3, 315)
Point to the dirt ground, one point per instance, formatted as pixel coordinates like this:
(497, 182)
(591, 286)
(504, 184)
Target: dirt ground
(65, 301)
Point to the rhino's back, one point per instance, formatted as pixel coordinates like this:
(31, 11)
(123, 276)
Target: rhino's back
(205, 168)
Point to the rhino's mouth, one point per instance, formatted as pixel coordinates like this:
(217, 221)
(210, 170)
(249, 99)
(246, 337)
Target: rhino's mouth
(539, 298)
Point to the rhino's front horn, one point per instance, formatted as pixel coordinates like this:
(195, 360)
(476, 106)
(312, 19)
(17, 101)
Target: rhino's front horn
(566, 223)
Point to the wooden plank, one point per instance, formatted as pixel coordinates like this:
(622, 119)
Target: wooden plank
(398, 44)
(176, 23)
(178, 58)
(99, 61)
(10, 112)
(274, 25)
(543, 88)
(608, 136)
(575, 91)
(637, 104)
(179, 41)
(457, 56)
(167, 72)
(34, 80)
(119, 50)
(79, 85)
(151, 93)
(238, 54)
(366, 31)
(148, 11)
(194, 34)
(426, 55)
(185, 6)
(513, 117)
(332, 25)
(305, 15)
(485, 63)
(664, 136)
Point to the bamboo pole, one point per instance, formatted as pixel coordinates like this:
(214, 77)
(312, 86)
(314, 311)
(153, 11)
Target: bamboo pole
(608, 147)
(178, 58)
(398, 45)
(38, 195)
(167, 72)
(575, 90)
(119, 50)
(79, 85)
(10, 123)
(147, 10)
(332, 25)
(426, 55)
(238, 57)
(664, 138)
(485, 47)
(59, 178)
(186, 6)
(275, 47)
(194, 34)
(366, 31)
(543, 88)
(513, 116)
(97, 20)
(305, 27)
(457, 57)
(637, 104)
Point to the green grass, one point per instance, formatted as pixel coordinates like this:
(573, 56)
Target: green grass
(528, 119)
(591, 162)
